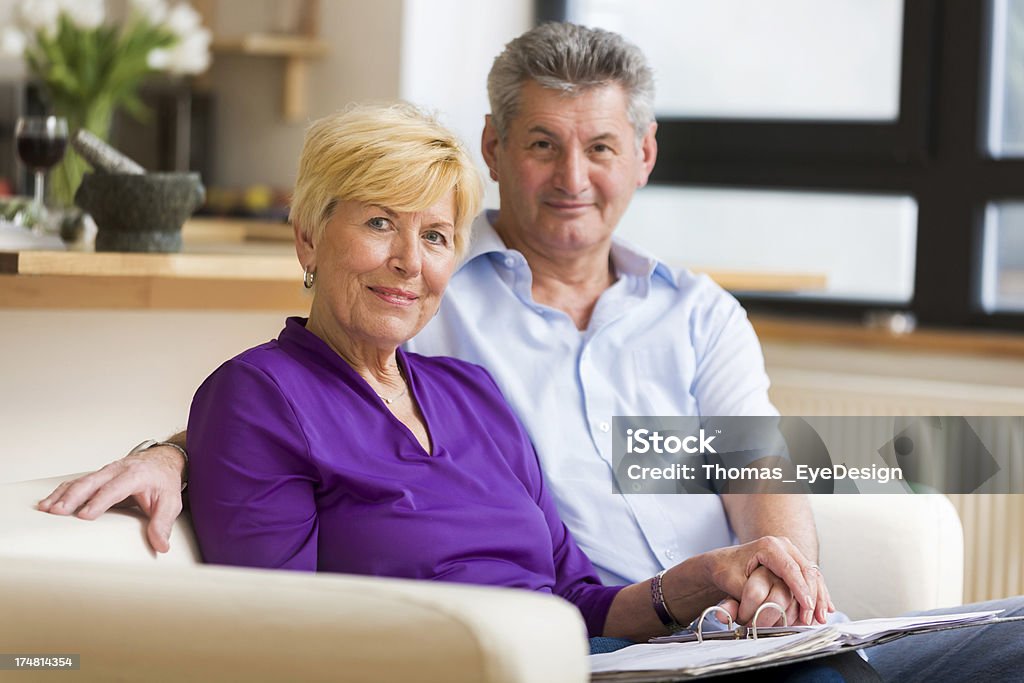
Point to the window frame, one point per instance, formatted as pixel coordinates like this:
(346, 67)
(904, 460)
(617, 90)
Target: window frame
(935, 152)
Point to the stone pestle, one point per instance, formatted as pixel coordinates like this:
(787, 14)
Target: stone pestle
(103, 157)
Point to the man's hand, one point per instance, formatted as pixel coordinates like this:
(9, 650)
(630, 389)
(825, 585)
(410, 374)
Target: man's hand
(152, 478)
(769, 569)
(763, 586)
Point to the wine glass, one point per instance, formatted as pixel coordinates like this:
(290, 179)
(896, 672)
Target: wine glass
(41, 141)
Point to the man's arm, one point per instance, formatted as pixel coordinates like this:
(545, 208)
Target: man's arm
(753, 515)
(152, 477)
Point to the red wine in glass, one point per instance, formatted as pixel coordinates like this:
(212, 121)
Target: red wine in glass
(39, 152)
(41, 141)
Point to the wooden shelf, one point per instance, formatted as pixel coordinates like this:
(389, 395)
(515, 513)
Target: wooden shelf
(297, 49)
(747, 281)
(272, 45)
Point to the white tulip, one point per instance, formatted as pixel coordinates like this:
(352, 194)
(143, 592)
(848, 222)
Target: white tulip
(12, 42)
(39, 16)
(192, 54)
(158, 59)
(183, 19)
(84, 14)
(153, 11)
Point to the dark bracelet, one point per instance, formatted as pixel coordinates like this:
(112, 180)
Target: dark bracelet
(660, 606)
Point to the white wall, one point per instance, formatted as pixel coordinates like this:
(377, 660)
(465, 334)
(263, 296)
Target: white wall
(447, 49)
(79, 388)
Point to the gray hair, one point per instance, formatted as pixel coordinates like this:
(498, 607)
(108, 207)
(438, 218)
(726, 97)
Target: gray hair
(572, 59)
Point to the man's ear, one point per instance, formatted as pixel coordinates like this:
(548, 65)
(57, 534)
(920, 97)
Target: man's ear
(304, 247)
(648, 154)
(489, 146)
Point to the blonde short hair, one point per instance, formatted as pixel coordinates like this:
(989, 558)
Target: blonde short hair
(395, 155)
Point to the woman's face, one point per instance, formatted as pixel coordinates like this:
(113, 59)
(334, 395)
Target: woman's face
(380, 273)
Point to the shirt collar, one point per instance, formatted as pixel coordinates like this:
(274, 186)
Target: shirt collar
(629, 260)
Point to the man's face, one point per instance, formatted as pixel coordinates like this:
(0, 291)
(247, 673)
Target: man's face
(567, 168)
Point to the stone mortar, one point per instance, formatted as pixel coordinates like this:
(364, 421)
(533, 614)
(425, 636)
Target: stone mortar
(140, 212)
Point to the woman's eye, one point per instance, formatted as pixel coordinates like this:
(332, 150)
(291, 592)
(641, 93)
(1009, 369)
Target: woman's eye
(378, 223)
(435, 237)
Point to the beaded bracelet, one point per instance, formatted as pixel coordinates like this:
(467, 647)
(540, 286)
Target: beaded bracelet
(660, 606)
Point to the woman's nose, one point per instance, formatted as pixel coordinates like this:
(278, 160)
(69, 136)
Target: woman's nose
(406, 255)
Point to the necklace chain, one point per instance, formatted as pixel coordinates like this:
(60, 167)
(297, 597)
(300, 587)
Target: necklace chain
(391, 400)
(403, 392)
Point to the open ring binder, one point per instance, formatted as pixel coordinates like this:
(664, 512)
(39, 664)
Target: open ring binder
(736, 649)
(733, 631)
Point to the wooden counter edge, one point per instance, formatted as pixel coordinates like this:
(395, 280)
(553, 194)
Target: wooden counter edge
(823, 332)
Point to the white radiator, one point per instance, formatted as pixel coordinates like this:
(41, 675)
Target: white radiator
(993, 524)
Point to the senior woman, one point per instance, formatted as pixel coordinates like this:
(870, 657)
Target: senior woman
(332, 449)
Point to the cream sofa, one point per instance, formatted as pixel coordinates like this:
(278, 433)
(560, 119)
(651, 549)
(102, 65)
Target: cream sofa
(69, 586)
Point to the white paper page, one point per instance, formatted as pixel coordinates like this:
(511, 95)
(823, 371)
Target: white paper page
(866, 629)
(647, 657)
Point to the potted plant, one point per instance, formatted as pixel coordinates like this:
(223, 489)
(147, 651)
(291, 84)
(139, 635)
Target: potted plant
(90, 63)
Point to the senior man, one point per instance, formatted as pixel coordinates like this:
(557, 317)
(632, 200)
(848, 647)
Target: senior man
(576, 326)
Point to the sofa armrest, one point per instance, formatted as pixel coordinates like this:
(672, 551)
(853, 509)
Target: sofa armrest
(228, 623)
(887, 554)
(117, 536)
(69, 586)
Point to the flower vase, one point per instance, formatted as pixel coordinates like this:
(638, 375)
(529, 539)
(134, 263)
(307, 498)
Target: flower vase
(67, 175)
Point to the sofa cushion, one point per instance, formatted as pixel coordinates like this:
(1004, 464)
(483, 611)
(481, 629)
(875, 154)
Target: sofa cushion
(118, 536)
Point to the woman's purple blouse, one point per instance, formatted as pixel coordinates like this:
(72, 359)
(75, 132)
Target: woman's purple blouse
(295, 463)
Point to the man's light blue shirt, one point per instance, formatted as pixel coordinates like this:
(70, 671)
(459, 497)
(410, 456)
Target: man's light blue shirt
(661, 341)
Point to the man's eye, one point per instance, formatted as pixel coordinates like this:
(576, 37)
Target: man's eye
(435, 237)
(601, 148)
(541, 144)
(378, 223)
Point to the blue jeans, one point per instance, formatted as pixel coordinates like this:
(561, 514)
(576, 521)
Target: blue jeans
(978, 653)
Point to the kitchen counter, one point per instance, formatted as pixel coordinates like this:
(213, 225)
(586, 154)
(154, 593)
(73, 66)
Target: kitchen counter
(225, 264)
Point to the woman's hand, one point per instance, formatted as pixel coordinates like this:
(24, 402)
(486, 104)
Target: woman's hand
(741, 577)
(152, 478)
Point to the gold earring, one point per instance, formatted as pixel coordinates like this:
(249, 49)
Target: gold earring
(308, 278)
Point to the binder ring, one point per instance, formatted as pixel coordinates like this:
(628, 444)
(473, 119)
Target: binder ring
(753, 622)
(705, 613)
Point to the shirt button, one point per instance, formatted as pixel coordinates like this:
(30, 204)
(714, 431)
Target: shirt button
(509, 262)
(604, 427)
(670, 554)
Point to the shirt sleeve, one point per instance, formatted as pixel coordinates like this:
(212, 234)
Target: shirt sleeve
(730, 378)
(251, 481)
